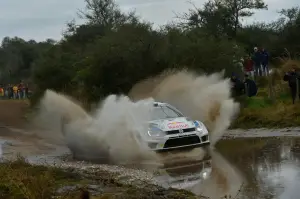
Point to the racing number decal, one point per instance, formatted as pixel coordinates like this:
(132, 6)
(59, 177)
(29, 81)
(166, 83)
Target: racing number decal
(177, 125)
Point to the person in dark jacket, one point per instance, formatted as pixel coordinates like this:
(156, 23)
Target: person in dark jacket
(265, 61)
(237, 85)
(250, 86)
(257, 61)
(292, 78)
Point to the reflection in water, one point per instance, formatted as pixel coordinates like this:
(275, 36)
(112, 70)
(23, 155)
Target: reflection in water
(212, 177)
(184, 176)
(225, 179)
(270, 165)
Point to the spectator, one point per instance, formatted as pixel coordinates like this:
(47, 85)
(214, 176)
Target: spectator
(237, 85)
(265, 62)
(250, 87)
(6, 92)
(20, 90)
(1, 92)
(10, 91)
(257, 61)
(293, 79)
(248, 66)
(15, 92)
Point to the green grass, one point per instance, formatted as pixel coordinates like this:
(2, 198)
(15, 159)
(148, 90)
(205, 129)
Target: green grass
(260, 111)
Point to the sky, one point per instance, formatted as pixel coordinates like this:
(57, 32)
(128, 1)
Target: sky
(42, 19)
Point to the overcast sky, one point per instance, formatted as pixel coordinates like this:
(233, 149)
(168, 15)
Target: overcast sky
(42, 19)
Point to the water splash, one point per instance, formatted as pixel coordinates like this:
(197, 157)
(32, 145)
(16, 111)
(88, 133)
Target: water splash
(114, 127)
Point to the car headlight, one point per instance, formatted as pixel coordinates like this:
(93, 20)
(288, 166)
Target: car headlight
(154, 131)
(199, 125)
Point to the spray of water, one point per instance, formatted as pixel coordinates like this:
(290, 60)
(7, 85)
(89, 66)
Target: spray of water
(204, 98)
(113, 129)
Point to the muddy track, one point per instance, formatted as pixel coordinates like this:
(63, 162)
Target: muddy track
(13, 113)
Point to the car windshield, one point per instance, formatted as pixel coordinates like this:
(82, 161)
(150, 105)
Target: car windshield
(164, 112)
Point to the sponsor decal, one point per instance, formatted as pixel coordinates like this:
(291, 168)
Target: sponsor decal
(177, 125)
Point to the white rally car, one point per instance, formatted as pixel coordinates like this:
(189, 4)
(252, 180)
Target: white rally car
(170, 129)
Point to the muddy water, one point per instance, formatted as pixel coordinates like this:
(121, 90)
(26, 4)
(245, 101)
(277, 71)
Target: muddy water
(254, 164)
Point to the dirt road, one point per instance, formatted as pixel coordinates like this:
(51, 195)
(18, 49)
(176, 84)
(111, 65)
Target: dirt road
(13, 113)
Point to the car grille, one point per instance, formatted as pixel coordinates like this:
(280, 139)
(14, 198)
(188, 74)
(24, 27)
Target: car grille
(177, 131)
(182, 141)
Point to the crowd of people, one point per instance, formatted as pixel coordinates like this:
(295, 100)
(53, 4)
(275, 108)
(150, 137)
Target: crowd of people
(241, 87)
(254, 65)
(14, 91)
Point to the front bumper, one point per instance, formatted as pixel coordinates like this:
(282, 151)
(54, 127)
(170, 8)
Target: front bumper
(190, 140)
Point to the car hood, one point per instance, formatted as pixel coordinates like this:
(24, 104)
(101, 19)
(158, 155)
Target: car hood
(173, 124)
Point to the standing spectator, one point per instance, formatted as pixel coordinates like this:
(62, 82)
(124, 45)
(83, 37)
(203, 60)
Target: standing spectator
(15, 91)
(20, 90)
(250, 87)
(1, 92)
(248, 66)
(293, 79)
(257, 61)
(6, 90)
(265, 61)
(26, 91)
(10, 91)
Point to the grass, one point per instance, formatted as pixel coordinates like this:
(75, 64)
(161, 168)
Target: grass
(22, 180)
(260, 112)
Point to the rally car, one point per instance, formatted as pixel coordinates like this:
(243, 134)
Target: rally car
(170, 129)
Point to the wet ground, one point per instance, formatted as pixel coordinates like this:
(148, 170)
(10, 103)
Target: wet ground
(256, 164)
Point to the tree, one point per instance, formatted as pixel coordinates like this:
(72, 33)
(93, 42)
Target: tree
(241, 8)
(290, 32)
(105, 12)
(223, 16)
